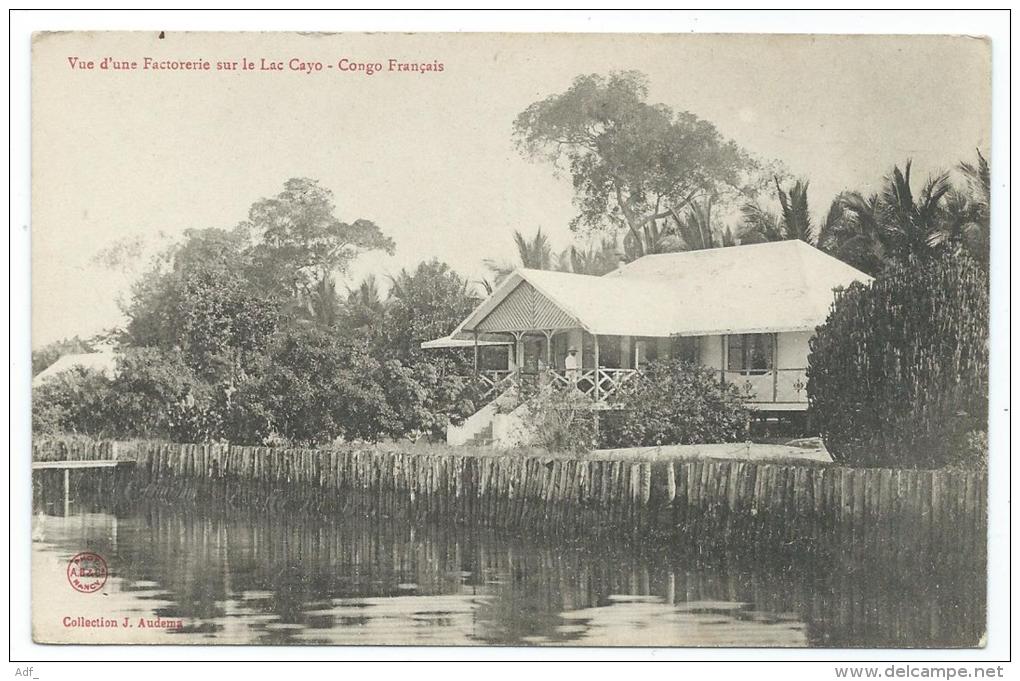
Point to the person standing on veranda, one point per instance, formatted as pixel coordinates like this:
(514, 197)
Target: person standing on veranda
(570, 363)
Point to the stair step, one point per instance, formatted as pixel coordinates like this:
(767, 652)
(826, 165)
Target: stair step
(483, 437)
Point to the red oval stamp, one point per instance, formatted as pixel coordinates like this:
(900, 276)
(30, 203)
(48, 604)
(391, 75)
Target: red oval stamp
(87, 572)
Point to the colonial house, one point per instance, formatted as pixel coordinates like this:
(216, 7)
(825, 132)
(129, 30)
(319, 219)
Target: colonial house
(747, 311)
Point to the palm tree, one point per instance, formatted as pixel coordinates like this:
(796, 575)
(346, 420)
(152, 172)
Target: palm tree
(318, 304)
(400, 285)
(916, 229)
(364, 306)
(969, 211)
(853, 232)
(892, 225)
(596, 259)
(535, 254)
(794, 221)
(658, 237)
(796, 217)
(487, 286)
(696, 230)
(835, 220)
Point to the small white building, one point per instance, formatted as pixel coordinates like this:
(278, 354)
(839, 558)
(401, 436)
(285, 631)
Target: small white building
(748, 311)
(103, 362)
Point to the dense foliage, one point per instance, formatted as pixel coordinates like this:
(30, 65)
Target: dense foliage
(900, 227)
(241, 335)
(154, 394)
(898, 374)
(562, 421)
(675, 402)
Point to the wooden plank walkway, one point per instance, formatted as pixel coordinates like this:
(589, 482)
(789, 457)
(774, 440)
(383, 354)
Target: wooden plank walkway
(97, 463)
(77, 464)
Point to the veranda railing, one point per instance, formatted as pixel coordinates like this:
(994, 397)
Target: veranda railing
(597, 384)
(773, 385)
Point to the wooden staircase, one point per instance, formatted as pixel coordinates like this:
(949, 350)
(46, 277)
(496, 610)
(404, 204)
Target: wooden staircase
(483, 438)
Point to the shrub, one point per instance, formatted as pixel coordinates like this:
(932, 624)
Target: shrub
(154, 394)
(898, 374)
(562, 422)
(675, 402)
(75, 401)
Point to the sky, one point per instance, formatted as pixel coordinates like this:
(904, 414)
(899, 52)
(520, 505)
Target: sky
(146, 154)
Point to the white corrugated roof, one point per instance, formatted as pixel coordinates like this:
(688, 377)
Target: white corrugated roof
(104, 362)
(778, 286)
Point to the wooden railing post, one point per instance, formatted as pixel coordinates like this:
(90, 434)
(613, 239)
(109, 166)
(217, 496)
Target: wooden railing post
(775, 367)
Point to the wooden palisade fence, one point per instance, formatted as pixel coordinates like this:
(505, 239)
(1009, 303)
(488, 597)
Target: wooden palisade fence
(906, 516)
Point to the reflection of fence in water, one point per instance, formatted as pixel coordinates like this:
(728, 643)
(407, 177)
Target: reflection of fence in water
(284, 564)
(893, 512)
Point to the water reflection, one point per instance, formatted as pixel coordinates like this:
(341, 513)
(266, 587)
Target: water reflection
(274, 578)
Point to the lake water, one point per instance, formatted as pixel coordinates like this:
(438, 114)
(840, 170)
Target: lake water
(235, 577)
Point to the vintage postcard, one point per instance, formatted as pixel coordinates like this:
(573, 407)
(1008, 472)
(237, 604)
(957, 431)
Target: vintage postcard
(510, 339)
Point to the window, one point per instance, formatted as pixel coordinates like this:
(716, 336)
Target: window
(750, 353)
(684, 348)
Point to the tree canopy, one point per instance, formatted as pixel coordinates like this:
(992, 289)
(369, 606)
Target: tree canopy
(897, 225)
(299, 241)
(631, 162)
(240, 335)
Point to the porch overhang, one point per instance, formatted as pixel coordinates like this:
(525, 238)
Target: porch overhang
(448, 342)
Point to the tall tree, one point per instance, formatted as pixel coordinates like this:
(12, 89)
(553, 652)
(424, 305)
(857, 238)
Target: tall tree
(423, 304)
(631, 162)
(793, 222)
(200, 299)
(300, 241)
(534, 254)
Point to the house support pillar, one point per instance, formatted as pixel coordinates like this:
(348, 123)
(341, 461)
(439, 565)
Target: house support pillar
(722, 358)
(548, 348)
(476, 353)
(518, 354)
(596, 337)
